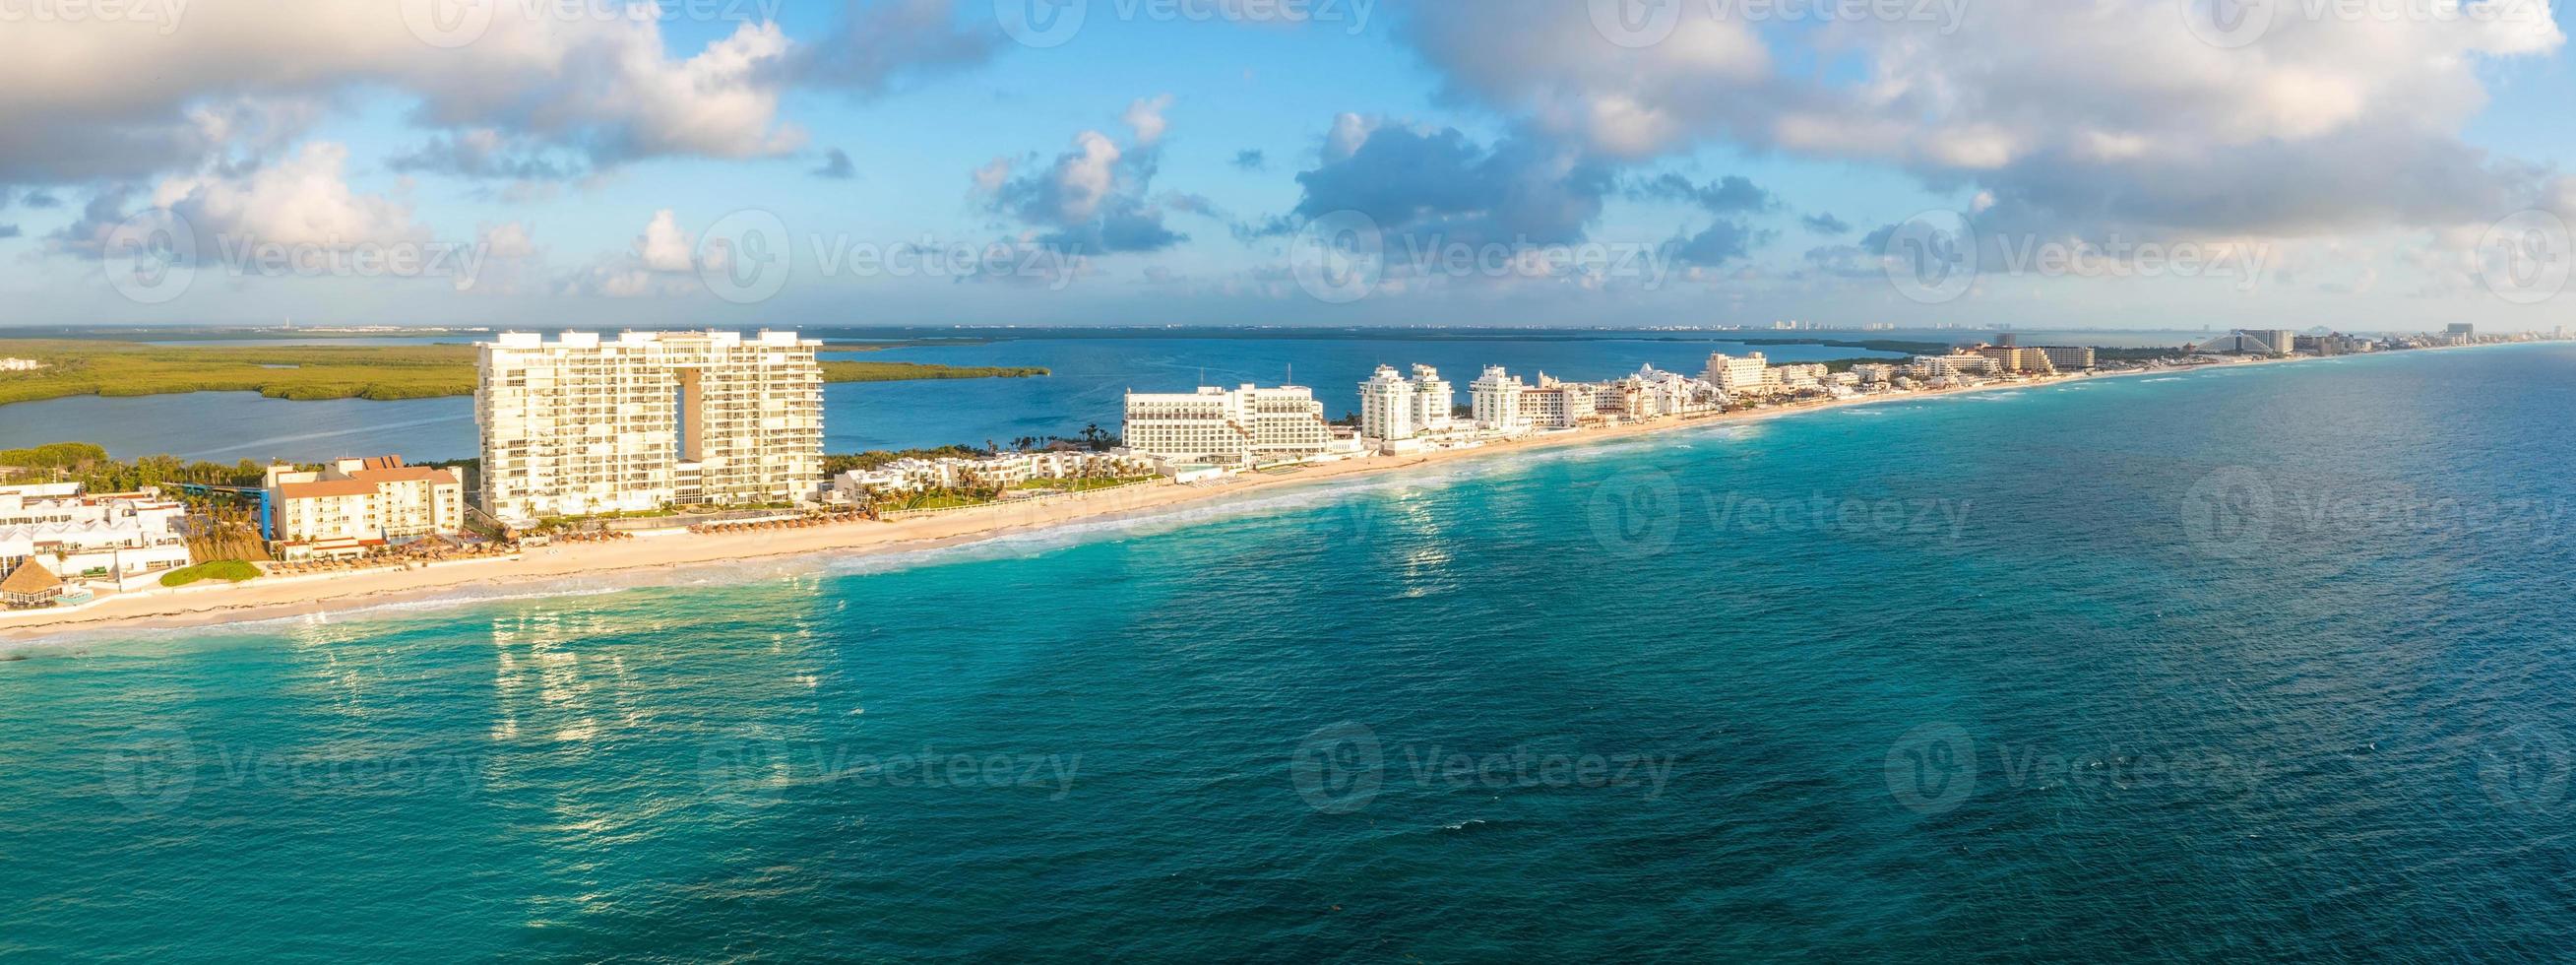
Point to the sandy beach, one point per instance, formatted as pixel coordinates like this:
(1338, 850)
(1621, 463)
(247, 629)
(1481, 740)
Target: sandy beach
(291, 596)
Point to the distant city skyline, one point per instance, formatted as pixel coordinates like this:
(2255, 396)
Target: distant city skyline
(2132, 165)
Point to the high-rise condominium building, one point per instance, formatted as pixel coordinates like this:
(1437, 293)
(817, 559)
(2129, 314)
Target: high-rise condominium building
(2281, 341)
(1393, 407)
(1494, 400)
(1246, 426)
(1750, 374)
(2019, 359)
(586, 425)
(2068, 358)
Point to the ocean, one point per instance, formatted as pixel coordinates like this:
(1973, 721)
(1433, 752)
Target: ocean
(2258, 661)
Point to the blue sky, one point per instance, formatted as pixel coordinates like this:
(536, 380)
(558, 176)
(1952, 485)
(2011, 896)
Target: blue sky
(2059, 163)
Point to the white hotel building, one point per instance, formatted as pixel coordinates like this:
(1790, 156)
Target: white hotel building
(1394, 408)
(74, 534)
(1240, 427)
(586, 425)
(1494, 400)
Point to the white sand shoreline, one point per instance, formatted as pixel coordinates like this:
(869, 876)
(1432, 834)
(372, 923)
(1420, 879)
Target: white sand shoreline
(272, 598)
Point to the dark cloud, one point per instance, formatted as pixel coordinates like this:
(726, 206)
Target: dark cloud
(1727, 240)
(2080, 119)
(1524, 189)
(1732, 194)
(486, 153)
(1093, 199)
(836, 166)
(9, 231)
(1251, 159)
(878, 43)
(1824, 223)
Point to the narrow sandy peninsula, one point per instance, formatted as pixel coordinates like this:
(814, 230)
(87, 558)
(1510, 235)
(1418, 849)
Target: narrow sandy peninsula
(276, 597)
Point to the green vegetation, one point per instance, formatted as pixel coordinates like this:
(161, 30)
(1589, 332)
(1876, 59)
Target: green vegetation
(314, 372)
(232, 571)
(299, 372)
(89, 465)
(908, 371)
(940, 500)
(1083, 485)
(878, 458)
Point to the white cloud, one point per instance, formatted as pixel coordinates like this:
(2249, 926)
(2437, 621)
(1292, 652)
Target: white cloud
(301, 200)
(2107, 114)
(120, 100)
(1145, 116)
(664, 247)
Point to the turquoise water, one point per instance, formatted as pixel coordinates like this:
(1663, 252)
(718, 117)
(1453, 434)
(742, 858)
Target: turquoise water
(2252, 662)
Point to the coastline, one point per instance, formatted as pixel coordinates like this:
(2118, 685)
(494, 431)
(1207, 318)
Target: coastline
(273, 598)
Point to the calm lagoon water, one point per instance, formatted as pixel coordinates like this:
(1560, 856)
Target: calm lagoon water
(2253, 662)
(1090, 380)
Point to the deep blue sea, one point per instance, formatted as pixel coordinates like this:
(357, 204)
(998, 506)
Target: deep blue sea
(1089, 379)
(2269, 661)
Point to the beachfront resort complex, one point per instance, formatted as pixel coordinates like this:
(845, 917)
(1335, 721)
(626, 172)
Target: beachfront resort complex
(585, 425)
(587, 435)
